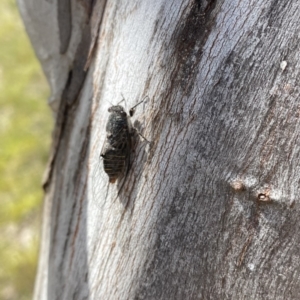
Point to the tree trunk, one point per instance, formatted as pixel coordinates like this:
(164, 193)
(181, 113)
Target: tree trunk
(209, 209)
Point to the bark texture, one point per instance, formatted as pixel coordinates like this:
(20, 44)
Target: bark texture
(210, 208)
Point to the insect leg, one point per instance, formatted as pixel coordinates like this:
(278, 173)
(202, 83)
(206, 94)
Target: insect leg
(132, 109)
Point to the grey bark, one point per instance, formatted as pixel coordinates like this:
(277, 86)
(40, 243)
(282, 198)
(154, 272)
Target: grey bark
(210, 208)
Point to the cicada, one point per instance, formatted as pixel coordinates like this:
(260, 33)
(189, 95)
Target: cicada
(118, 143)
(117, 146)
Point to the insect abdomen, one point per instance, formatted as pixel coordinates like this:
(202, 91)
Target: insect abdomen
(114, 164)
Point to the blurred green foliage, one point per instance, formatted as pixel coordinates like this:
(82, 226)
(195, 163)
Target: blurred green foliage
(25, 130)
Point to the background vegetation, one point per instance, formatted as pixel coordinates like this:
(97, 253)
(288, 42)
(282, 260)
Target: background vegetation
(25, 130)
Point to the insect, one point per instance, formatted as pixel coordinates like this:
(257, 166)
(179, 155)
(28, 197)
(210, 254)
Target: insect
(118, 143)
